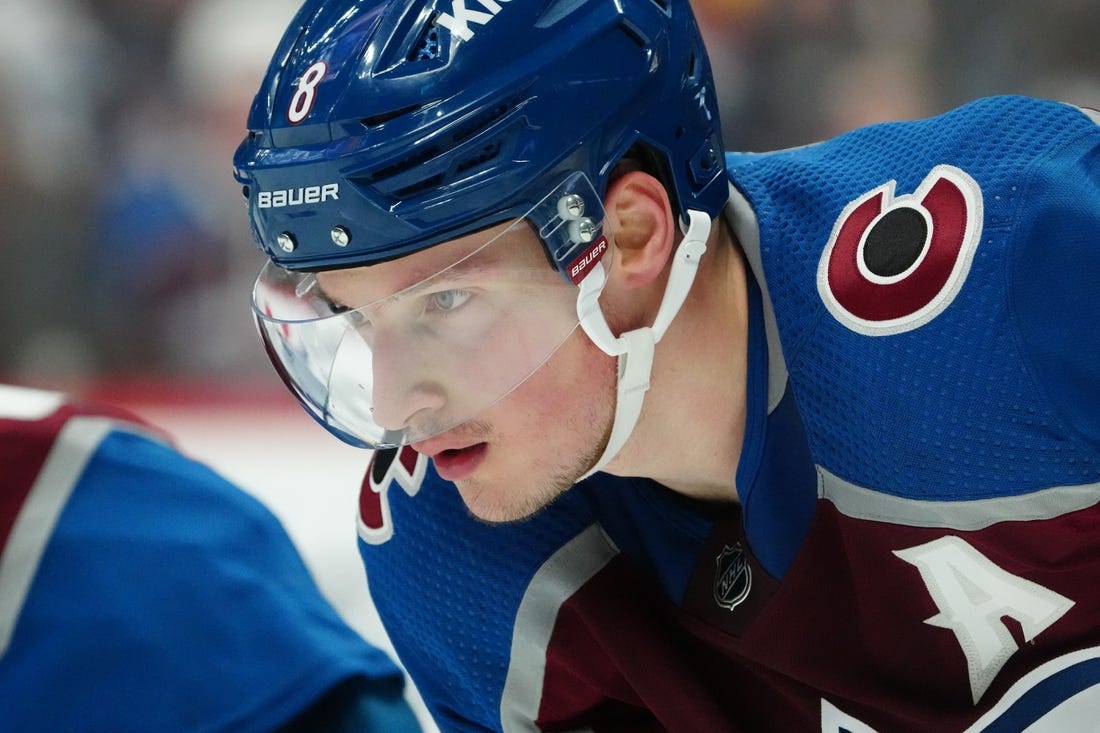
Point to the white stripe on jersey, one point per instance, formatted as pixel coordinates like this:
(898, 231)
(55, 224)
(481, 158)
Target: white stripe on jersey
(562, 575)
(33, 527)
(858, 502)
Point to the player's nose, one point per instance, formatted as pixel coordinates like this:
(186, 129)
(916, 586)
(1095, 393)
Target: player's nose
(403, 392)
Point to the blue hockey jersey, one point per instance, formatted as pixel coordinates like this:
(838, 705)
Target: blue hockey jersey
(140, 591)
(916, 543)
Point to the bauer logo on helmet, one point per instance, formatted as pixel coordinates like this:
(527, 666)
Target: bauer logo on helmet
(297, 196)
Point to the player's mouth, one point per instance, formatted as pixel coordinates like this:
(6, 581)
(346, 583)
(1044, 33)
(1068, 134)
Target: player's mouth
(456, 464)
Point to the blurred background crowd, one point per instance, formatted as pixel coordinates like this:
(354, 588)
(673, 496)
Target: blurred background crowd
(125, 249)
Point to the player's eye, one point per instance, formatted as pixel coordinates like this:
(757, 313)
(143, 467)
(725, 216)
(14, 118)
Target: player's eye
(449, 300)
(353, 316)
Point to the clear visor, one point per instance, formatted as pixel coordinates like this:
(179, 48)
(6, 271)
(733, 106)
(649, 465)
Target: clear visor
(397, 352)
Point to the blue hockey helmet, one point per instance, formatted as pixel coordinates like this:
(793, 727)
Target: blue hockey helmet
(383, 128)
(387, 129)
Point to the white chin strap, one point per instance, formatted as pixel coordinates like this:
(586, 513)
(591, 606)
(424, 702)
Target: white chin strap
(635, 348)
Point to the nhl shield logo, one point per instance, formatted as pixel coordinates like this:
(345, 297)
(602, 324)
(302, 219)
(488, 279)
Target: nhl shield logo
(732, 577)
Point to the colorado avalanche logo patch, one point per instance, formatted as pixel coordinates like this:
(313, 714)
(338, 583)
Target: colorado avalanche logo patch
(403, 466)
(893, 263)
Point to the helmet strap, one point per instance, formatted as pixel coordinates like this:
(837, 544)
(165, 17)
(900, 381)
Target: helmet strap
(635, 348)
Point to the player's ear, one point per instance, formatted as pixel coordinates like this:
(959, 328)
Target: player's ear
(638, 211)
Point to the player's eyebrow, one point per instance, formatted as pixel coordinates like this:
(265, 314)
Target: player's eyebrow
(466, 268)
(411, 281)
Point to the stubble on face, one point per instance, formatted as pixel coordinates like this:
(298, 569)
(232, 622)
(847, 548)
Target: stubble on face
(544, 436)
(544, 481)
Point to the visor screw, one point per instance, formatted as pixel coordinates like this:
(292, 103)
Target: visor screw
(286, 242)
(340, 236)
(571, 206)
(584, 230)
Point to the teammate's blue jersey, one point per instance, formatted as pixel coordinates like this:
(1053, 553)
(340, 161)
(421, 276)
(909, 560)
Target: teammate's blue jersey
(139, 591)
(916, 546)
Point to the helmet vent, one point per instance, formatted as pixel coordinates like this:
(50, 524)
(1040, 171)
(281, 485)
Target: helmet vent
(634, 33)
(407, 164)
(482, 121)
(380, 119)
(419, 187)
(478, 154)
(427, 47)
(486, 154)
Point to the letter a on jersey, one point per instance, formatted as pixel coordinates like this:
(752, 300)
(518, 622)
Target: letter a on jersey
(834, 720)
(973, 595)
(403, 466)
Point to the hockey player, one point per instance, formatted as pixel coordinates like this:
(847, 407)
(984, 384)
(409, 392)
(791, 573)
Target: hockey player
(669, 439)
(139, 591)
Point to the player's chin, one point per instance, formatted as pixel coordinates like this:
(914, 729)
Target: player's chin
(503, 502)
(487, 505)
